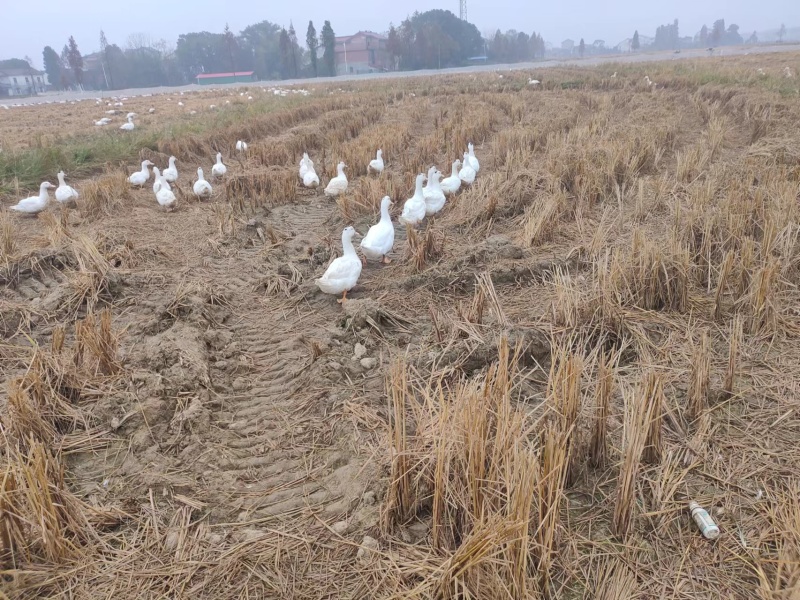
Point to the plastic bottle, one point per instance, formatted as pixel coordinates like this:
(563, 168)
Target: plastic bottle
(708, 528)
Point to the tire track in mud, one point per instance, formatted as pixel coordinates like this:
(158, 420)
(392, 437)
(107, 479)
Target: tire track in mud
(269, 446)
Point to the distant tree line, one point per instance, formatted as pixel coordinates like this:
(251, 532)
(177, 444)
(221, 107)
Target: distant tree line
(271, 51)
(513, 46)
(428, 40)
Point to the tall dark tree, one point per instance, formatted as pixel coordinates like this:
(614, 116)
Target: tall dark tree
(582, 48)
(293, 48)
(259, 47)
(732, 35)
(753, 39)
(75, 60)
(781, 33)
(109, 72)
(328, 39)
(703, 35)
(718, 32)
(394, 45)
(230, 47)
(436, 37)
(312, 42)
(635, 45)
(52, 66)
(286, 59)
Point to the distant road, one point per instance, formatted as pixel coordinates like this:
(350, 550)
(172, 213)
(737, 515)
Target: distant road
(532, 66)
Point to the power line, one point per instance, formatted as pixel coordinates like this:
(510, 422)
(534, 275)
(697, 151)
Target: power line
(462, 5)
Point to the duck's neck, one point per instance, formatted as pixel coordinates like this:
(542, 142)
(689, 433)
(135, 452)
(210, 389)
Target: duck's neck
(418, 191)
(219, 159)
(455, 169)
(200, 175)
(61, 179)
(434, 182)
(430, 178)
(471, 151)
(171, 163)
(145, 169)
(347, 245)
(385, 216)
(43, 195)
(340, 170)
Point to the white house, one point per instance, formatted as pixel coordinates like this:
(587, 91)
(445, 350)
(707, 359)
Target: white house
(21, 82)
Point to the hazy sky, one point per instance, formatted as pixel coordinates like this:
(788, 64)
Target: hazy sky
(26, 26)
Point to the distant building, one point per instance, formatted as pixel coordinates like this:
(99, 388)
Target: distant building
(21, 82)
(94, 75)
(568, 45)
(218, 78)
(362, 52)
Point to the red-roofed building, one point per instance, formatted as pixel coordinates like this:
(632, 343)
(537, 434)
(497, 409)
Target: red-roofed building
(218, 78)
(362, 52)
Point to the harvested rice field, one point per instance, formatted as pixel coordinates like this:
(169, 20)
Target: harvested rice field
(598, 331)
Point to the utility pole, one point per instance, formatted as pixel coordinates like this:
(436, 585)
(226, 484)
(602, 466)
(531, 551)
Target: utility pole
(462, 9)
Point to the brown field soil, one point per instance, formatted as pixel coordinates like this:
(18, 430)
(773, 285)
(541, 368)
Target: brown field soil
(600, 329)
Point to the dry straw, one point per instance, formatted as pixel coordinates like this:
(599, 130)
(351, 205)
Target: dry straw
(604, 389)
(699, 379)
(638, 415)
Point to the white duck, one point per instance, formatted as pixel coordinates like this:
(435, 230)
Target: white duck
(380, 238)
(434, 196)
(160, 181)
(219, 170)
(467, 173)
(165, 196)
(201, 188)
(450, 185)
(141, 177)
(342, 274)
(129, 126)
(131, 115)
(473, 161)
(377, 163)
(102, 122)
(241, 146)
(337, 185)
(310, 178)
(171, 173)
(65, 193)
(35, 204)
(414, 208)
(305, 164)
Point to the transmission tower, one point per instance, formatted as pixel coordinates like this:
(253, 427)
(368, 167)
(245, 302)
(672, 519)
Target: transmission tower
(462, 5)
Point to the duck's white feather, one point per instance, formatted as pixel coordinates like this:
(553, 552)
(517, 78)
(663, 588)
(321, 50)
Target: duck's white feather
(434, 196)
(141, 177)
(201, 188)
(377, 163)
(171, 173)
(65, 193)
(473, 161)
(219, 169)
(337, 185)
(414, 208)
(467, 173)
(343, 273)
(34, 204)
(380, 238)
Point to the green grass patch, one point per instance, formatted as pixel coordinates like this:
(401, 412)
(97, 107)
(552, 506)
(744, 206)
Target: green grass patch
(87, 154)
